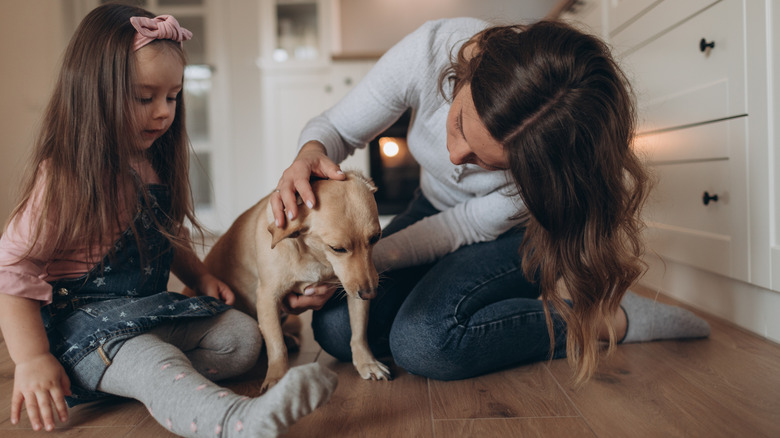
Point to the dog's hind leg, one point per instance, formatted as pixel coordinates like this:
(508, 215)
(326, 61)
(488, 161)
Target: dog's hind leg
(366, 364)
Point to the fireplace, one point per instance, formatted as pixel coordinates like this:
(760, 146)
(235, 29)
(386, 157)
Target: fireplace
(393, 169)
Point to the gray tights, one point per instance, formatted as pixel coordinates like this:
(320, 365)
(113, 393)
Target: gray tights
(171, 370)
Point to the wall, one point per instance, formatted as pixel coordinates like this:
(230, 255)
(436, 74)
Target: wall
(31, 56)
(242, 43)
(373, 26)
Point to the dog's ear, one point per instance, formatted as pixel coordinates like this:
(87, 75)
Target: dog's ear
(293, 229)
(364, 179)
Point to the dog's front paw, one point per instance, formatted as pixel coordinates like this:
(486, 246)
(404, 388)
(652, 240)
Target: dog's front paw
(269, 383)
(373, 370)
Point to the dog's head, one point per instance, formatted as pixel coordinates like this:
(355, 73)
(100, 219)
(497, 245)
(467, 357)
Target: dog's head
(340, 230)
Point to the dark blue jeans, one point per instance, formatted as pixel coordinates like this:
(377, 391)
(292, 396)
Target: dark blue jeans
(470, 313)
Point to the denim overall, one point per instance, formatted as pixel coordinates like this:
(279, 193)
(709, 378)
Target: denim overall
(90, 317)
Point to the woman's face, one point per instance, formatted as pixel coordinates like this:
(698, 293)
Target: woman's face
(158, 83)
(468, 141)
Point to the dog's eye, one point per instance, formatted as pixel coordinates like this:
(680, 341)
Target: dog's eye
(338, 250)
(374, 239)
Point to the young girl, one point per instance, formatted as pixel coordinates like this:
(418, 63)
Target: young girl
(85, 258)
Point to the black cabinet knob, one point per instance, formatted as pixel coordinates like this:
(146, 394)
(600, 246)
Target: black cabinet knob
(703, 45)
(706, 198)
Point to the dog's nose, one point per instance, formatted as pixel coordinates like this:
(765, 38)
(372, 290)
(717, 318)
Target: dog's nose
(367, 294)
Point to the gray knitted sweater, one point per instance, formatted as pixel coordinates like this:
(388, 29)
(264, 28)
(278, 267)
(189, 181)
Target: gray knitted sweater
(475, 205)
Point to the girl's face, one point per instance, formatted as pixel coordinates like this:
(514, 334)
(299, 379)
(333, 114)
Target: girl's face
(468, 140)
(158, 83)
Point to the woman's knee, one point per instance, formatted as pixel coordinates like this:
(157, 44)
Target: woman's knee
(426, 351)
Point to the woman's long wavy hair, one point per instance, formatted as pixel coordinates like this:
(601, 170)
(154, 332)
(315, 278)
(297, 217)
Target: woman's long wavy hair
(88, 139)
(564, 112)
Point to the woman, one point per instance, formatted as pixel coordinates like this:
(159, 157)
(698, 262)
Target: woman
(524, 142)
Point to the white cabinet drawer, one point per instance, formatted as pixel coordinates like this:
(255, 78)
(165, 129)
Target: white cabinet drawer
(623, 12)
(710, 141)
(678, 85)
(678, 196)
(634, 22)
(711, 236)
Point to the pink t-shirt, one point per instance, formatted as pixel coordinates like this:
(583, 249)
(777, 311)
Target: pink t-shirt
(28, 275)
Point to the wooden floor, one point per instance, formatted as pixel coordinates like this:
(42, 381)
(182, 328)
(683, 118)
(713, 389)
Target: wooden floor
(724, 386)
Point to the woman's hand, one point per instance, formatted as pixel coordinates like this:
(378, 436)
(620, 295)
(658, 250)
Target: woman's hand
(40, 382)
(210, 285)
(313, 298)
(311, 160)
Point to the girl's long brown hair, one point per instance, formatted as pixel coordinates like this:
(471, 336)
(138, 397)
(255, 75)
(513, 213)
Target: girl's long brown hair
(564, 112)
(88, 141)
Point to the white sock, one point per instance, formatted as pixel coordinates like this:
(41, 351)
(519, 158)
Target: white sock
(649, 320)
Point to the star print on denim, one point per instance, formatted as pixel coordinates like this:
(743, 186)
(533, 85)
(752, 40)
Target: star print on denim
(122, 297)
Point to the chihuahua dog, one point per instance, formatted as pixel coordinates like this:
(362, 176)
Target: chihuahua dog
(331, 242)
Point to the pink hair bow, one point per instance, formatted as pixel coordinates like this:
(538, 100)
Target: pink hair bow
(162, 27)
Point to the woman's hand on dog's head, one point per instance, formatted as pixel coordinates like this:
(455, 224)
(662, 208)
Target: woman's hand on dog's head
(311, 161)
(314, 298)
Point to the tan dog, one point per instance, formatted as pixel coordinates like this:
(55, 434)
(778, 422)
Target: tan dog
(331, 242)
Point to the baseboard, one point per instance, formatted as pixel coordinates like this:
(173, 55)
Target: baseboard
(751, 307)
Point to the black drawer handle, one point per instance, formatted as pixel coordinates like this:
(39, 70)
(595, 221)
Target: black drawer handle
(706, 198)
(703, 45)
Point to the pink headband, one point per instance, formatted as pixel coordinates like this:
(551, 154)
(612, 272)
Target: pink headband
(162, 27)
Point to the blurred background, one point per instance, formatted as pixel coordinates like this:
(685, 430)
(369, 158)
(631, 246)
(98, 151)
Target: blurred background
(259, 69)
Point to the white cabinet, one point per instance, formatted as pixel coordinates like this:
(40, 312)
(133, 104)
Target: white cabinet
(587, 15)
(701, 71)
(697, 212)
(294, 95)
(691, 95)
(296, 32)
(299, 80)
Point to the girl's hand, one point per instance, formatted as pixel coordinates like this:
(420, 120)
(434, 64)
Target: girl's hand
(211, 286)
(41, 383)
(311, 160)
(313, 298)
